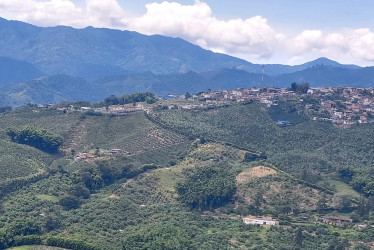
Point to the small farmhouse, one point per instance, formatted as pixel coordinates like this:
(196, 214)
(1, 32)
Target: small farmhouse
(115, 150)
(334, 220)
(284, 123)
(259, 221)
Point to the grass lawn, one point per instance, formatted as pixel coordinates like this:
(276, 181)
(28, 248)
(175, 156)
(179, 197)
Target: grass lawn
(35, 247)
(44, 197)
(21, 248)
(341, 187)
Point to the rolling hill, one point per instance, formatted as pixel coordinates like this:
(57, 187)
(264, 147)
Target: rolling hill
(133, 200)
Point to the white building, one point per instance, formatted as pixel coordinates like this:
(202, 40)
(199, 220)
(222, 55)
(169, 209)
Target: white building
(259, 221)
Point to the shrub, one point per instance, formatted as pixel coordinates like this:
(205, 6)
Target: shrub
(36, 137)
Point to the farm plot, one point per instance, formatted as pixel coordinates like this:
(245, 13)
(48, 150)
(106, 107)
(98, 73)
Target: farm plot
(133, 134)
(14, 164)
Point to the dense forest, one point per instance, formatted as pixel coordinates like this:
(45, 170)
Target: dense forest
(183, 179)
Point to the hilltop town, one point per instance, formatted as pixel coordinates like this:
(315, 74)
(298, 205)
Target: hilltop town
(342, 106)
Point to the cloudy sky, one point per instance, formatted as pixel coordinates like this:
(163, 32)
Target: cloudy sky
(262, 31)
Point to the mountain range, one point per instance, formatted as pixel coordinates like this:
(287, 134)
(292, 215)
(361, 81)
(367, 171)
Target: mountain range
(62, 63)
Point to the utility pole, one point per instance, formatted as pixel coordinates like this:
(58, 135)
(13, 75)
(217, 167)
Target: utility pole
(262, 78)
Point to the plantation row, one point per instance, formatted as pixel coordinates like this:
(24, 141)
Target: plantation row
(307, 145)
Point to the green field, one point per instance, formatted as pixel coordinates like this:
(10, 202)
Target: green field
(30, 247)
(341, 187)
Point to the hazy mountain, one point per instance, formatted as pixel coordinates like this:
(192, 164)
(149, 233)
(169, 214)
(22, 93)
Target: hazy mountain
(13, 70)
(279, 69)
(93, 53)
(52, 89)
(91, 63)
(323, 75)
(61, 87)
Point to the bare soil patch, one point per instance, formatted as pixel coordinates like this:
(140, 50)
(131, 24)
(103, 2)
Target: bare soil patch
(113, 196)
(259, 171)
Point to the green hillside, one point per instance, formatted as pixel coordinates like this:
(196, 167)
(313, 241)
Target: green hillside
(308, 145)
(184, 180)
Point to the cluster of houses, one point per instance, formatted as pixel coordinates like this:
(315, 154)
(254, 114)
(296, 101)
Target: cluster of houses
(341, 106)
(349, 105)
(268, 96)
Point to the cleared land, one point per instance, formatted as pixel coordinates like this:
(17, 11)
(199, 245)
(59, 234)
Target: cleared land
(340, 187)
(259, 171)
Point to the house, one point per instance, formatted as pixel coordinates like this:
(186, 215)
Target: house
(115, 150)
(283, 122)
(83, 156)
(259, 221)
(335, 220)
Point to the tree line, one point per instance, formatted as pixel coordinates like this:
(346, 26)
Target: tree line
(147, 97)
(39, 138)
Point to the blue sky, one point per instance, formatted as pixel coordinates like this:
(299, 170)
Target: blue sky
(263, 31)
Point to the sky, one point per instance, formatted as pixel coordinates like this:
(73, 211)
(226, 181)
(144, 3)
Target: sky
(263, 31)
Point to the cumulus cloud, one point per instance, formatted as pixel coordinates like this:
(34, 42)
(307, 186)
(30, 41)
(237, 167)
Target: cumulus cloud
(356, 44)
(96, 13)
(48, 13)
(196, 23)
(251, 38)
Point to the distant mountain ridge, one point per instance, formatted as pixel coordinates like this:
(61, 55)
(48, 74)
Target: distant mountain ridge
(62, 63)
(93, 53)
(53, 89)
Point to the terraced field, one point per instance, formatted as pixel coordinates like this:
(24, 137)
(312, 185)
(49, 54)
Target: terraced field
(14, 164)
(133, 134)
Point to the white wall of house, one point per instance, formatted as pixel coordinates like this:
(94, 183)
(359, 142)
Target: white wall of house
(259, 222)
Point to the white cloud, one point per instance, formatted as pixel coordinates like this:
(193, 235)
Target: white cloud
(106, 13)
(252, 38)
(196, 22)
(96, 13)
(356, 45)
(49, 13)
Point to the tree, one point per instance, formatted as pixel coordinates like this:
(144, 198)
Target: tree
(249, 157)
(301, 88)
(342, 201)
(258, 199)
(36, 137)
(207, 187)
(70, 202)
(321, 205)
(299, 237)
(346, 174)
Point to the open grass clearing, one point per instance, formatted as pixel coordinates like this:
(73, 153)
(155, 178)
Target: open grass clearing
(35, 247)
(340, 187)
(45, 197)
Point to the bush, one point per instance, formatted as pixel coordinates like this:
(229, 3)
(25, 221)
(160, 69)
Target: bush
(36, 137)
(206, 188)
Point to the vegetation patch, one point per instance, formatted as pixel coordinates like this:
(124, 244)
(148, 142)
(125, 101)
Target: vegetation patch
(45, 197)
(42, 139)
(339, 187)
(207, 187)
